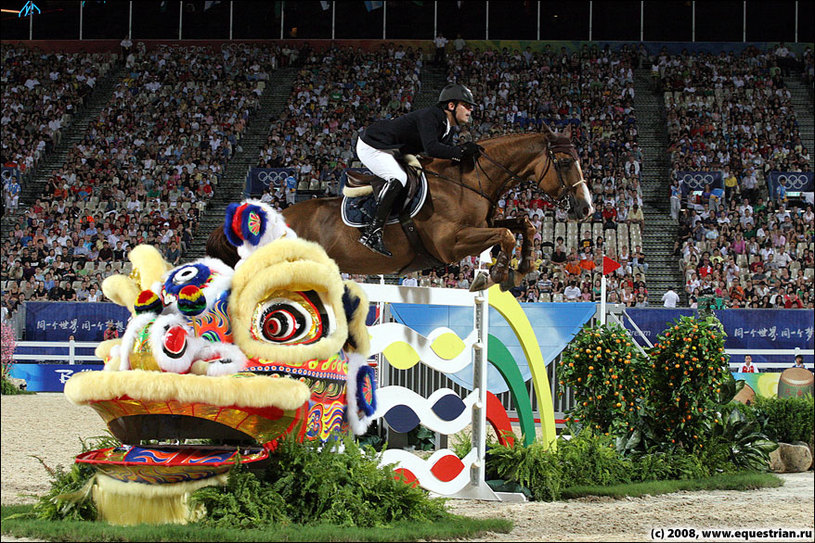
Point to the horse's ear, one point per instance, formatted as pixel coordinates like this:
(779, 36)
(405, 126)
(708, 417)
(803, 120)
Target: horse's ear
(547, 131)
(218, 246)
(568, 131)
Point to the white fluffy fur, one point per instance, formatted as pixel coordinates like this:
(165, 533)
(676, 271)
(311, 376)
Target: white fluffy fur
(157, 334)
(225, 352)
(276, 228)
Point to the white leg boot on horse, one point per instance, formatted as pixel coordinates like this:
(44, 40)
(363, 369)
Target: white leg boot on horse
(372, 237)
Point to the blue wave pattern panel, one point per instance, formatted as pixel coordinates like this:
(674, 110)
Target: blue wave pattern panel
(443, 411)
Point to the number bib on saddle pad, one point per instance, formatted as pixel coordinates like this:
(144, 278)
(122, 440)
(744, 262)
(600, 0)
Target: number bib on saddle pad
(357, 211)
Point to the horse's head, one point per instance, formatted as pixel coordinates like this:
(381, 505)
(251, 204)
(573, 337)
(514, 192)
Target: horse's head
(561, 175)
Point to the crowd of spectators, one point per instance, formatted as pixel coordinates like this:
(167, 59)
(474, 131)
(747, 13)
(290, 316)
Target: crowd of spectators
(41, 94)
(334, 93)
(732, 113)
(149, 163)
(142, 173)
(749, 255)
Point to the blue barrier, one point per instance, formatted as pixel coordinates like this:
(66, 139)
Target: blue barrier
(49, 377)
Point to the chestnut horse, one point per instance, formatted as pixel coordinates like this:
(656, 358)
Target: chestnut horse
(455, 221)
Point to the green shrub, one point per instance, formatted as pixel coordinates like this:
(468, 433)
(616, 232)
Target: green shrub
(318, 483)
(732, 441)
(591, 459)
(8, 388)
(661, 466)
(787, 419)
(535, 467)
(69, 497)
(244, 502)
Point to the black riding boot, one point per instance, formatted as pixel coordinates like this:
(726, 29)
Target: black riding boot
(372, 237)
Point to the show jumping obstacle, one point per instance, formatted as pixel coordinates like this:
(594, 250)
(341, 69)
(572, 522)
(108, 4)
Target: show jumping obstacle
(444, 411)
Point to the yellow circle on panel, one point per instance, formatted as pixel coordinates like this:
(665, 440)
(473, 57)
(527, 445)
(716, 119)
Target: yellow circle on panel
(447, 346)
(400, 355)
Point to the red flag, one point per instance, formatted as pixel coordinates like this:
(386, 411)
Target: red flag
(609, 265)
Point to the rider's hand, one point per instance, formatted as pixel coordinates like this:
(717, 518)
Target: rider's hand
(470, 149)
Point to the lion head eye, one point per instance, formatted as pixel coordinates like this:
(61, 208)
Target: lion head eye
(195, 274)
(291, 318)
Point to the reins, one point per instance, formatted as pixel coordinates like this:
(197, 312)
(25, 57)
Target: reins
(562, 201)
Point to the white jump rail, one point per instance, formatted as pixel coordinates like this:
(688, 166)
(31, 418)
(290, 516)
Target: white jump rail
(71, 346)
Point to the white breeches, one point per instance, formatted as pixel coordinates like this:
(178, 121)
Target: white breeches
(381, 163)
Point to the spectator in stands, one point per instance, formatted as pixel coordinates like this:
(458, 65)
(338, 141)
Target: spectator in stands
(571, 293)
(670, 298)
(799, 361)
(748, 366)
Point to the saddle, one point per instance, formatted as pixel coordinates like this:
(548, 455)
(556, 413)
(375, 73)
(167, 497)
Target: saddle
(358, 206)
(362, 184)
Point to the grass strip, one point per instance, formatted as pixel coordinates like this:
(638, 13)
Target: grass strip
(725, 481)
(454, 527)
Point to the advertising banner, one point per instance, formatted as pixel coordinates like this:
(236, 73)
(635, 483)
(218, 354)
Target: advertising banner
(49, 377)
(745, 329)
(693, 181)
(796, 182)
(259, 179)
(58, 321)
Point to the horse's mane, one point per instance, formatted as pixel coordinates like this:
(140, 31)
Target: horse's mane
(511, 136)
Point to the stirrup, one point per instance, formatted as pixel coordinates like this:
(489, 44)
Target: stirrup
(373, 241)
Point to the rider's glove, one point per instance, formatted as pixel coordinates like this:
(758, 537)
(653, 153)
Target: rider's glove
(470, 150)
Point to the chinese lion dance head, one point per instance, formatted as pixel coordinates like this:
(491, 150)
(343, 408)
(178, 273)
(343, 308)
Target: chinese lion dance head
(240, 357)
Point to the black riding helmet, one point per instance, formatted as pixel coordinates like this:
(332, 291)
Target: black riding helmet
(456, 93)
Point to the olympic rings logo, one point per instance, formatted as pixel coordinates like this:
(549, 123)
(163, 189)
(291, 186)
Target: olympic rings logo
(698, 180)
(796, 181)
(274, 176)
(8, 174)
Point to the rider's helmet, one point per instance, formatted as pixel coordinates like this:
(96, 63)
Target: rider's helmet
(456, 93)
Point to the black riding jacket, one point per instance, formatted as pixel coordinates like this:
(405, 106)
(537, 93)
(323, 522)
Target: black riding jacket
(420, 131)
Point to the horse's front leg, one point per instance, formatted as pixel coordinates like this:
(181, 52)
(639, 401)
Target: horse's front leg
(527, 230)
(528, 234)
(474, 240)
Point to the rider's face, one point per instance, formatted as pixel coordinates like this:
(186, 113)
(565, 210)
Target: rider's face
(463, 112)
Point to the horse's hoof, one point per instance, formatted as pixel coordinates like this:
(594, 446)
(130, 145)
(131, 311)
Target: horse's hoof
(509, 282)
(480, 282)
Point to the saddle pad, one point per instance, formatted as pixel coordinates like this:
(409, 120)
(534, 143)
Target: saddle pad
(354, 209)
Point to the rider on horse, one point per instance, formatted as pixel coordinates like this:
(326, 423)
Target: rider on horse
(428, 131)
